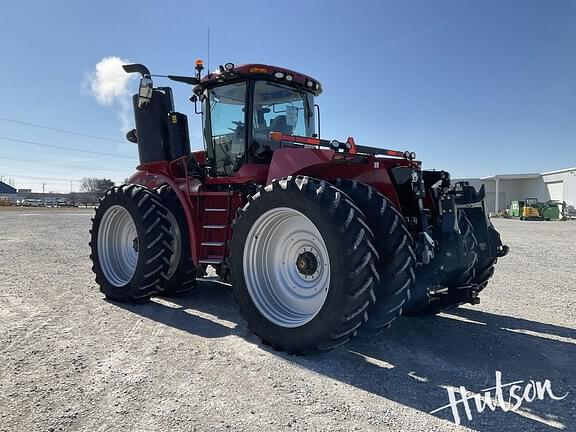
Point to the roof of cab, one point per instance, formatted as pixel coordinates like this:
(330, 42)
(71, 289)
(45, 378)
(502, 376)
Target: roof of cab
(254, 70)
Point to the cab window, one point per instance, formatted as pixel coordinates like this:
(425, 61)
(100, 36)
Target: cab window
(279, 108)
(225, 127)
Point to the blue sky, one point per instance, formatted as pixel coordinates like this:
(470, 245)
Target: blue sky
(473, 87)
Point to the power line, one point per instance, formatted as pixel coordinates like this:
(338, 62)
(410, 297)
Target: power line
(68, 164)
(61, 130)
(41, 178)
(65, 148)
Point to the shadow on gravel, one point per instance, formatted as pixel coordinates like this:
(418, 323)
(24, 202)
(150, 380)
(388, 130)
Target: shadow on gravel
(209, 311)
(414, 361)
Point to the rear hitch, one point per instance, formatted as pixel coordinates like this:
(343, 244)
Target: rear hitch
(424, 242)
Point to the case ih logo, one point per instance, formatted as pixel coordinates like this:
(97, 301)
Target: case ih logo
(518, 392)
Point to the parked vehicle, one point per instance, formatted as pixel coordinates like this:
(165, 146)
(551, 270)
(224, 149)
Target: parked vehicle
(321, 239)
(33, 203)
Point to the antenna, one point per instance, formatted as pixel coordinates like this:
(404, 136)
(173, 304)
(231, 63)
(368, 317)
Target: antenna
(208, 55)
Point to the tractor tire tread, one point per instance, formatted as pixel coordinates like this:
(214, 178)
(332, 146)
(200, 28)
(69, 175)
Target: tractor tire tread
(355, 297)
(394, 269)
(183, 280)
(145, 282)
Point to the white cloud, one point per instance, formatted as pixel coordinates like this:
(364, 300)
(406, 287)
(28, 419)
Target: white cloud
(110, 85)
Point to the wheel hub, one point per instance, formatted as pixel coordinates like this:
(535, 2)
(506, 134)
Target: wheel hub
(306, 263)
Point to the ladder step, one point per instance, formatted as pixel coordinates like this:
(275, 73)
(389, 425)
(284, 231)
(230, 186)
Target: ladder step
(210, 261)
(213, 244)
(214, 226)
(215, 210)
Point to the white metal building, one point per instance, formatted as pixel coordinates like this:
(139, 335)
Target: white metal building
(502, 188)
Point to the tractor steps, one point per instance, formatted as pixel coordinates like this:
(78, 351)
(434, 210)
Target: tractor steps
(213, 244)
(212, 261)
(215, 221)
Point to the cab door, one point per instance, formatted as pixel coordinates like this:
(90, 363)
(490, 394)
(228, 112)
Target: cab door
(225, 131)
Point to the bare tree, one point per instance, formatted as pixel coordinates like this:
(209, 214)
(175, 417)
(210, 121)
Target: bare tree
(96, 186)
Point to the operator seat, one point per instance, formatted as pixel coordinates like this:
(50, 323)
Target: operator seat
(278, 124)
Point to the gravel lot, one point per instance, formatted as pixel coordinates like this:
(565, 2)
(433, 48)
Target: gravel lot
(72, 361)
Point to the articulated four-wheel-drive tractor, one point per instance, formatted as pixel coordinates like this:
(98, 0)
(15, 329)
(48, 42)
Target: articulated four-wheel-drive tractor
(320, 239)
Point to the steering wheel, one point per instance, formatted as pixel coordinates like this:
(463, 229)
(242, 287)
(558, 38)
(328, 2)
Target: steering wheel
(239, 126)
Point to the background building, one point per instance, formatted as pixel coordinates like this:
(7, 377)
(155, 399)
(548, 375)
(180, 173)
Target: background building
(6, 189)
(502, 188)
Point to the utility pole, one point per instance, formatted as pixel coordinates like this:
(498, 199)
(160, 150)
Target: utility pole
(43, 190)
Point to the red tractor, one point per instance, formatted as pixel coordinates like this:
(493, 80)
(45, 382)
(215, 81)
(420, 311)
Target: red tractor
(320, 239)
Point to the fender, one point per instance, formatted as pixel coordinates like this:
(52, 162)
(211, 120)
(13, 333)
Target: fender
(155, 176)
(290, 161)
(325, 164)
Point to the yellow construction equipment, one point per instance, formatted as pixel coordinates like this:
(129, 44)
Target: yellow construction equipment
(531, 211)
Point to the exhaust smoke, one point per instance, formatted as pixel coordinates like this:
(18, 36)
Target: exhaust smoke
(110, 86)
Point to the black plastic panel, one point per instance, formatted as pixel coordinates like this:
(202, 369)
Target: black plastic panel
(152, 127)
(178, 135)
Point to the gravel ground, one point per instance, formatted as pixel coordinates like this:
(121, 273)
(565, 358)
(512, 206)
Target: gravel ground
(72, 361)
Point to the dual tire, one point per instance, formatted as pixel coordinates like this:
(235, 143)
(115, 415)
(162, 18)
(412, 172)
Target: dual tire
(305, 269)
(395, 247)
(138, 247)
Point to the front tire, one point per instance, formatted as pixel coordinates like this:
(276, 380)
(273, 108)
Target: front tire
(303, 267)
(130, 244)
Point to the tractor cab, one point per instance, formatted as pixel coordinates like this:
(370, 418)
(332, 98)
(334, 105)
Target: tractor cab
(243, 105)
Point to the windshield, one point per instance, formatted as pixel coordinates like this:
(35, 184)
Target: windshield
(279, 108)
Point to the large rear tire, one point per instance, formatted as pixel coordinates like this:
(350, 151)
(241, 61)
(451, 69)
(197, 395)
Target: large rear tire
(303, 266)
(394, 245)
(130, 244)
(181, 275)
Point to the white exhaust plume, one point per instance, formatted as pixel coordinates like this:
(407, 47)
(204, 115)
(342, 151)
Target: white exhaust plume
(110, 85)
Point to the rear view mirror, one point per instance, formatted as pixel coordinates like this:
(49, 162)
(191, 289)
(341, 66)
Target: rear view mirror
(131, 136)
(145, 93)
(194, 99)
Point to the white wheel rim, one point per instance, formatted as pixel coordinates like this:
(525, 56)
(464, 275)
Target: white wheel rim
(279, 241)
(118, 246)
(176, 244)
